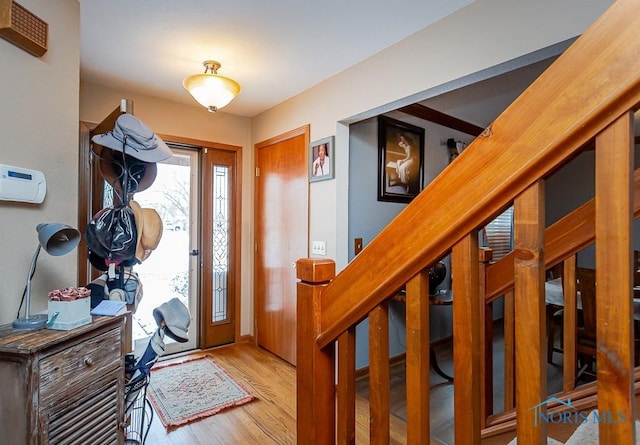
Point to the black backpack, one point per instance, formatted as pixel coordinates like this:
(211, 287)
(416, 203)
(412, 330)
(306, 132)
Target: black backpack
(111, 234)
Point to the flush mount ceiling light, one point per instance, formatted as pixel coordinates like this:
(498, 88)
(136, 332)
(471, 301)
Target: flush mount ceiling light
(211, 90)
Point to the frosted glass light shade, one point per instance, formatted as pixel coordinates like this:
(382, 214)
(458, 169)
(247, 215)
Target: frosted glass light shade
(212, 91)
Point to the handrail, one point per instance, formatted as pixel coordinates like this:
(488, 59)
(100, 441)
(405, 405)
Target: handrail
(564, 238)
(589, 85)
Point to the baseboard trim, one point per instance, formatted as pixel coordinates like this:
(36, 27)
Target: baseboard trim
(393, 361)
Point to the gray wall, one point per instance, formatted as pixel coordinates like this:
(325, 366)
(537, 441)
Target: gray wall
(367, 216)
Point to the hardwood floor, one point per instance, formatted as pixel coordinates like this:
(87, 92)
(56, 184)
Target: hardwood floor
(271, 418)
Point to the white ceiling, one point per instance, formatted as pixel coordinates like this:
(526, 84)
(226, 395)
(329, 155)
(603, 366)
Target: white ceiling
(274, 48)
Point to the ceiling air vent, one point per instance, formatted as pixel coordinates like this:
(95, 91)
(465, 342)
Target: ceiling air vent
(22, 28)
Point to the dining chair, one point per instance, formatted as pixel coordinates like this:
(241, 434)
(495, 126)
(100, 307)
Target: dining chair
(554, 314)
(586, 328)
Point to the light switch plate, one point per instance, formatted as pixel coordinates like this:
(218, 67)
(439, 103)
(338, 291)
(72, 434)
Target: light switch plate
(319, 248)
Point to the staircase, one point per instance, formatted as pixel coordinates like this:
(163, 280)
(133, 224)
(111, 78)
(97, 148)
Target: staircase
(586, 99)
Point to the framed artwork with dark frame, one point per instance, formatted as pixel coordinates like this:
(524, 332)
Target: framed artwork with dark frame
(400, 160)
(321, 160)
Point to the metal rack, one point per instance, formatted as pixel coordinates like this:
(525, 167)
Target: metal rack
(138, 410)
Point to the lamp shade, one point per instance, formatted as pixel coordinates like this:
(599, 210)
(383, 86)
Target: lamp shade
(57, 239)
(210, 89)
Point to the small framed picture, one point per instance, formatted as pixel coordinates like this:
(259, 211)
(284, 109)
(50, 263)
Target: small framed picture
(401, 159)
(321, 160)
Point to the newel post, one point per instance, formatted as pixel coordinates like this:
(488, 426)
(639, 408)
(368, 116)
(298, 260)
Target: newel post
(315, 367)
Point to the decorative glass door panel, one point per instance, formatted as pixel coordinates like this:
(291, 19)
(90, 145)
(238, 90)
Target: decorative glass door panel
(220, 238)
(220, 268)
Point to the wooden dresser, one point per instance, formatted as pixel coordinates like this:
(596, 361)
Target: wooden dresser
(63, 386)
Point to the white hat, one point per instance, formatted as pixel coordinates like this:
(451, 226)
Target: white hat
(132, 136)
(176, 318)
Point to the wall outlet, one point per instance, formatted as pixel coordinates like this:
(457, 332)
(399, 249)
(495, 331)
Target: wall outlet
(319, 248)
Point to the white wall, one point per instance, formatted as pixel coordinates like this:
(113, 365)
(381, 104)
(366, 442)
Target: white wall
(39, 130)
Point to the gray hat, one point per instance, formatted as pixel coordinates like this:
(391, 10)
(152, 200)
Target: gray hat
(176, 318)
(141, 142)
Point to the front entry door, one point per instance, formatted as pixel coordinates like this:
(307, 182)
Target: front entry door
(170, 271)
(282, 221)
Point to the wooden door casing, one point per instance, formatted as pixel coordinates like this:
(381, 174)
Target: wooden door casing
(282, 227)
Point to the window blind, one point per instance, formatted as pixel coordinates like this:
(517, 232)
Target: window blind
(499, 234)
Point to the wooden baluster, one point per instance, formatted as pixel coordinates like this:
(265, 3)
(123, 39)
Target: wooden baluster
(347, 388)
(531, 356)
(467, 348)
(486, 255)
(379, 389)
(614, 298)
(569, 322)
(315, 376)
(417, 382)
(486, 339)
(509, 352)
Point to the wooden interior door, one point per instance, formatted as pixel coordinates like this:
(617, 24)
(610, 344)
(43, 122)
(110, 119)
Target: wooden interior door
(282, 233)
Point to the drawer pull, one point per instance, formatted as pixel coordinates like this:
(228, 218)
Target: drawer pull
(88, 361)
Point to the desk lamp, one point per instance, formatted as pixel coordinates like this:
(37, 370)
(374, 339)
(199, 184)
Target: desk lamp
(57, 240)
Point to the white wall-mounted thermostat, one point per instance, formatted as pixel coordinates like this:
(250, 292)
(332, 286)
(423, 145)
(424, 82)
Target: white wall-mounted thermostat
(22, 184)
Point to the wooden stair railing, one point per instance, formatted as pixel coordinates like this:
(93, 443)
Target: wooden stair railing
(563, 240)
(560, 112)
(589, 92)
(616, 267)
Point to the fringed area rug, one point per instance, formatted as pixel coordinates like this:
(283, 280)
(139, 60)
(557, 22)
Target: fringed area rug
(190, 390)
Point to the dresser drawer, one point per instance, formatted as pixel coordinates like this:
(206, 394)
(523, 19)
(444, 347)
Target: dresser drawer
(80, 364)
(89, 417)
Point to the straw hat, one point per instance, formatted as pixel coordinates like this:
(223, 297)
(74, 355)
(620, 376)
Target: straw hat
(149, 227)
